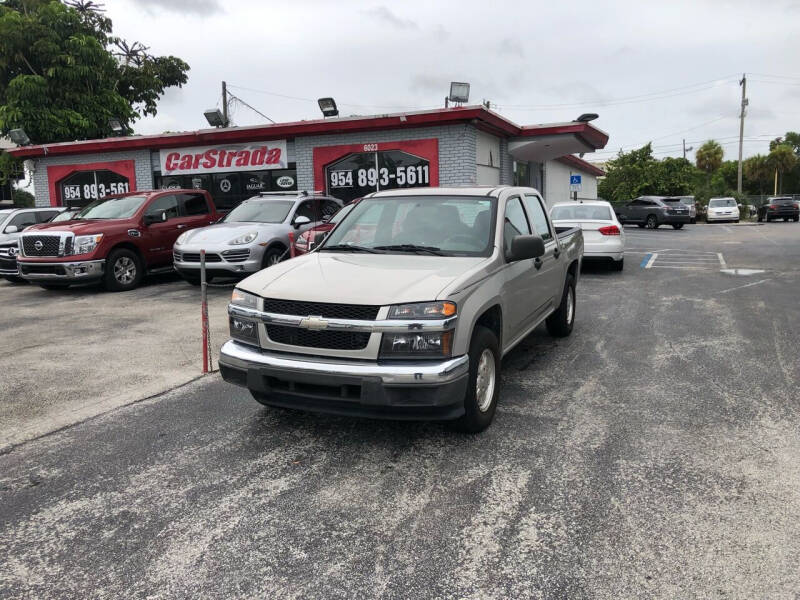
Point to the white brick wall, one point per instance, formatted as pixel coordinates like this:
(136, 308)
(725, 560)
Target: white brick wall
(557, 183)
(141, 158)
(457, 147)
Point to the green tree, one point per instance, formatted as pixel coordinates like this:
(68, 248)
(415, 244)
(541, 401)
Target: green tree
(782, 159)
(23, 198)
(63, 74)
(757, 173)
(709, 156)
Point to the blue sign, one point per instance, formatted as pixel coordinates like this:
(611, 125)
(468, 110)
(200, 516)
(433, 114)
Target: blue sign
(574, 179)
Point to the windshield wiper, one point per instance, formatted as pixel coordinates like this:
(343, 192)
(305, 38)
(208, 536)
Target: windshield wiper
(412, 248)
(351, 248)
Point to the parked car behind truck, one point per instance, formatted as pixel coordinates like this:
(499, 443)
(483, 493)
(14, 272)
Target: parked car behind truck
(424, 291)
(652, 211)
(114, 240)
(13, 222)
(253, 236)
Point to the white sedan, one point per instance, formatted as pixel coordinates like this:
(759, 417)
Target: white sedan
(603, 236)
(722, 209)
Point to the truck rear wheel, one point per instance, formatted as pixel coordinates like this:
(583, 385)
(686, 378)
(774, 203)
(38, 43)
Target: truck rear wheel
(123, 270)
(560, 323)
(483, 385)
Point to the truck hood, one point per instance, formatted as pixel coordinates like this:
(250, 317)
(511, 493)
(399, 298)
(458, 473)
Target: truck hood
(222, 233)
(352, 278)
(81, 227)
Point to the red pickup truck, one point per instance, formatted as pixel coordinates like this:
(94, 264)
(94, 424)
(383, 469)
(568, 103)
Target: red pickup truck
(114, 240)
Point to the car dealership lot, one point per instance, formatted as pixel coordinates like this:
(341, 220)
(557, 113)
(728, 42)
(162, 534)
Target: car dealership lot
(655, 454)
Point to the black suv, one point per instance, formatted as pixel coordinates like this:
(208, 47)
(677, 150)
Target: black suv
(652, 211)
(779, 208)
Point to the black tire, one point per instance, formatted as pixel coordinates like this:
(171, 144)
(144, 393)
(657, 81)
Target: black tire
(785, 219)
(677, 225)
(618, 265)
(53, 286)
(652, 222)
(692, 221)
(272, 256)
(795, 219)
(479, 415)
(736, 221)
(560, 323)
(124, 270)
(13, 279)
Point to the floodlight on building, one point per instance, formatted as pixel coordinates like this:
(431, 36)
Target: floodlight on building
(19, 137)
(328, 107)
(215, 118)
(116, 126)
(586, 117)
(459, 92)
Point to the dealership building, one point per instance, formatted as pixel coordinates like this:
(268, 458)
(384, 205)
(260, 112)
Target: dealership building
(346, 157)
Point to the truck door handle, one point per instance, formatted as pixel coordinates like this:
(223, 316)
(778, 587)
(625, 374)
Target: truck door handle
(537, 262)
(181, 226)
(556, 253)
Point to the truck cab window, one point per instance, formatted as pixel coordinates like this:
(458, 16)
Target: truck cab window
(167, 204)
(194, 204)
(516, 223)
(538, 218)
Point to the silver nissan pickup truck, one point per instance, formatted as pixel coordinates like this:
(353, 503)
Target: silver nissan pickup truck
(406, 308)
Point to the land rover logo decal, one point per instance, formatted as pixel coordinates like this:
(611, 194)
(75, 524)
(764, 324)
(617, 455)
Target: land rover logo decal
(225, 186)
(285, 182)
(38, 245)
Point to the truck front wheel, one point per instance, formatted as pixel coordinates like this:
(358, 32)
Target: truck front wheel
(483, 385)
(560, 323)
(123, 270)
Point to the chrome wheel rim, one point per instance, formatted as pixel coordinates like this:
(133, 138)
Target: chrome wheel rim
(485, 381)
(124, 270)
(570, 306)
(651, 222)
(273, 259)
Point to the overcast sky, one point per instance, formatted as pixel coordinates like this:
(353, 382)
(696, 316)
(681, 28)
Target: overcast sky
(653, 72)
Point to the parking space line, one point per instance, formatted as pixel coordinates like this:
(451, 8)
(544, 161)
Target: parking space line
(746, 285)
(650, 262)
(643, 264)
(721, 260)
(675, 267)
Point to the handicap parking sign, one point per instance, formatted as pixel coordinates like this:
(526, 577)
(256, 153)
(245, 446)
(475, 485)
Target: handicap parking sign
(574, 179)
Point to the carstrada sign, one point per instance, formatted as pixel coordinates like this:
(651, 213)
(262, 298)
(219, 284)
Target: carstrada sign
(253, 156)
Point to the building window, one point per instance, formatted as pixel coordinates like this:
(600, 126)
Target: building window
(362, 173)
(229, 189)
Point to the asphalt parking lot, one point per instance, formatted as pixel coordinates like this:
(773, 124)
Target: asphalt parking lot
(652, 454)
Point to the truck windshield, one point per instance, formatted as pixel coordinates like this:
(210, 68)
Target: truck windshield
(112, 208)
(722, 202)
(260, 211)
(441, 225)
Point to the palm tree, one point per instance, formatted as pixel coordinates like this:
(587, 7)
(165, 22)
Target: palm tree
(781, 159)
(709, 156)
(757, 170)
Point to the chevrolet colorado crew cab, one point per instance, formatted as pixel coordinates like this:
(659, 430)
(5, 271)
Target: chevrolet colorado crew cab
(114, 240)
(407, 307)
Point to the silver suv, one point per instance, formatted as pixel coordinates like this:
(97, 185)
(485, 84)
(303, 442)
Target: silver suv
(251, 237)
(12, 222)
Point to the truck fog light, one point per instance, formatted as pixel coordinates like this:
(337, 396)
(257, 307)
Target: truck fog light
(243, 330)
(414, 345)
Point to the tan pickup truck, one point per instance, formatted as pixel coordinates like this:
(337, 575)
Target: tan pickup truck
(406, 309)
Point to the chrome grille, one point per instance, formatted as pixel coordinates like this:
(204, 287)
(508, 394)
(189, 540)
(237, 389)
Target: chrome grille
(236, 255)
(195, 257)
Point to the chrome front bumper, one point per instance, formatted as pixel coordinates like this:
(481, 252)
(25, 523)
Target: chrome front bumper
(423, 373)
(68, 272)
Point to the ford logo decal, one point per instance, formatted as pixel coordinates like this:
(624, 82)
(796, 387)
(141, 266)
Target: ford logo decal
(285, 181)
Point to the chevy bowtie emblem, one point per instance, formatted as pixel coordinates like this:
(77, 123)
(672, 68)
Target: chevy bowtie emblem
(38, 245)
(314, 323)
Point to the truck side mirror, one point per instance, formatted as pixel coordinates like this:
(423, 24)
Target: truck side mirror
(158, 218)
(526, 246)
(11, 229)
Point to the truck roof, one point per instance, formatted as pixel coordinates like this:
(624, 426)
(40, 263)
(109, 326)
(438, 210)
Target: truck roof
(474, 190)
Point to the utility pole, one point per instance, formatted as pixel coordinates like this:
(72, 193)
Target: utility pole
(225, 103)
(742, 83)
(685, 149)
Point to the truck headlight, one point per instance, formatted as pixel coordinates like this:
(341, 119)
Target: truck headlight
(84, 244)
(242, 298)
(423, 310)
(417, 345)
(244, 239)
(183, 237)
